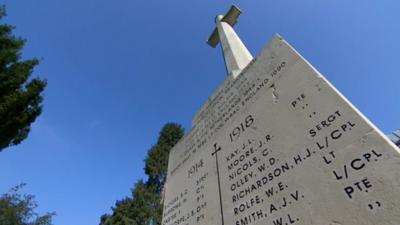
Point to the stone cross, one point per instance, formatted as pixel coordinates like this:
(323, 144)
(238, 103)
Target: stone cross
(236, 55)
(279, 145)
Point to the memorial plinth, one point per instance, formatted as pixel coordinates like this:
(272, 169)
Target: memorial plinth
(280, 145)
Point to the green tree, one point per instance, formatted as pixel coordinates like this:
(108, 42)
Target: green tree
(17, 209)
(136, 210)
(20, 97)
(144, 207)
(156, 162)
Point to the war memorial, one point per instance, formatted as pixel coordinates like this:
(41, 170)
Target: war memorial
(277, 144)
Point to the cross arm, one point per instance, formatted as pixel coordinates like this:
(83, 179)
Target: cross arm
(230, 17)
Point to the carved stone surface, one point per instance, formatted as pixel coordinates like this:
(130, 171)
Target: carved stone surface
(280, 145)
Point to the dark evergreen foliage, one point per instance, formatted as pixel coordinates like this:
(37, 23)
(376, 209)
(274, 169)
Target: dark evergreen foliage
(156, 162)
(20, 97)
(144, 206)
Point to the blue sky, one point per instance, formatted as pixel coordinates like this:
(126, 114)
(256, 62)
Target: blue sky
(118, 70)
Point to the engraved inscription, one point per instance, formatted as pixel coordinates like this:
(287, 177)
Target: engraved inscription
(279, 145)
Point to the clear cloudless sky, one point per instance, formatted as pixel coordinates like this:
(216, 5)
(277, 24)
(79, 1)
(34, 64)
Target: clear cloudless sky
(119, 70)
